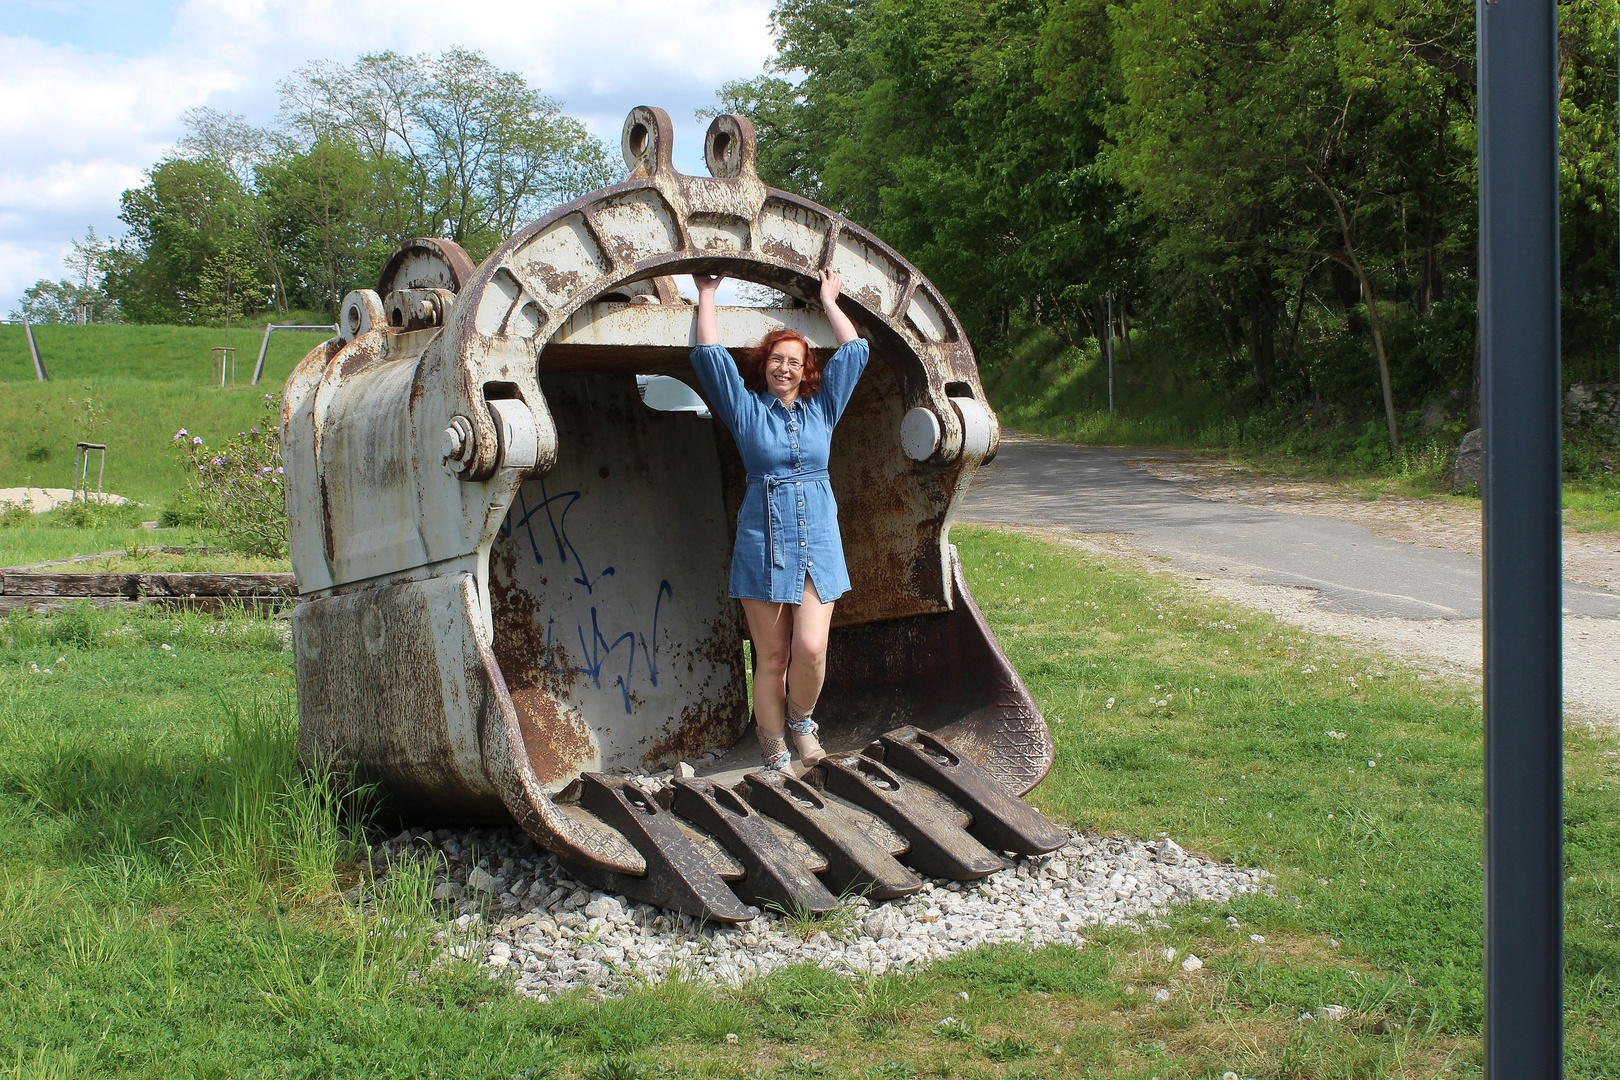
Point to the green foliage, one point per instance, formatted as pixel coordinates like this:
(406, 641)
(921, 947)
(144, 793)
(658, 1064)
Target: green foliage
(47, 301)
(14, 515)
(234, 487)
(91, 513)
(364, 157)
(1279, 197)
(228, 287)
(69, 300)
(179, 222)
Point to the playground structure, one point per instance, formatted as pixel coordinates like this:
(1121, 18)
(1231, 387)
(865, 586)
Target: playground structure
(514, 571)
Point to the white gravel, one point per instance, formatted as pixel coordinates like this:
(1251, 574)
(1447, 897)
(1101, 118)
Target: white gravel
(519, 910)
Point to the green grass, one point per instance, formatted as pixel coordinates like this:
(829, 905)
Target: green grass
(1593, 505)
(148, 381)
(35, 538)
(168, 878)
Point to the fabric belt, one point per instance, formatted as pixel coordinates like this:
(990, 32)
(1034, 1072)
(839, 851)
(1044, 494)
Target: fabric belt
(769, 483)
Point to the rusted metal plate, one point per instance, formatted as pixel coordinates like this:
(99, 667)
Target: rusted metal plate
(943, 673)
(854, 862)
(678, 876)
(608, 590)
(999, 821)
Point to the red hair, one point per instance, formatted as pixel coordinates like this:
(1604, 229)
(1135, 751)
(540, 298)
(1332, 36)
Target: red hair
(753, 367)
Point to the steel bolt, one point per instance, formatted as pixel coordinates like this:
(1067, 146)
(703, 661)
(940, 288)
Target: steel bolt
(457, 443)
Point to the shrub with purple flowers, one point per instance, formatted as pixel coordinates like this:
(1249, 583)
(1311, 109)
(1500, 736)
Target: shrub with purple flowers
(235, 487)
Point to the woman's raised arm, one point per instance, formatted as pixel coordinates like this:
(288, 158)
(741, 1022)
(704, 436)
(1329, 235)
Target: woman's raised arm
(713, 364)
(831, 286)
(708, 327)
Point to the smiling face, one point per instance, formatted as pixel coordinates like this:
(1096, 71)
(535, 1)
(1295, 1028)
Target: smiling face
(784, 370)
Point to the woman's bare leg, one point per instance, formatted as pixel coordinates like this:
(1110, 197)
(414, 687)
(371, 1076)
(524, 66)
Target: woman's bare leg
(807, 667)
(771, 628)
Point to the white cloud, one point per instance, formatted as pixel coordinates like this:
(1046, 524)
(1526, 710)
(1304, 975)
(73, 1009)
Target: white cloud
(81, 126)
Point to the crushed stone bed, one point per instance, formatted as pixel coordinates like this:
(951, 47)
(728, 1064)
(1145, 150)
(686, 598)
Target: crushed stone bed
(520, 911)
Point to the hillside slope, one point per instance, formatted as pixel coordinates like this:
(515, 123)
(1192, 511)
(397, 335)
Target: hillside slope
(145, 381)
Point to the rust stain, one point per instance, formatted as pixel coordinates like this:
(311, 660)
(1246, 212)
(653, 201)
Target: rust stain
(786, 252)
(556, 739)
(326, 523)
(558, 280)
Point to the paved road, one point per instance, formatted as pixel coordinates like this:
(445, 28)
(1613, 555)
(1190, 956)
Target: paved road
(1091, 490)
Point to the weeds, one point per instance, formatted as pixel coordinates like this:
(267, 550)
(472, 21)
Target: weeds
(841, 923)
(14, 515)
(233, 489)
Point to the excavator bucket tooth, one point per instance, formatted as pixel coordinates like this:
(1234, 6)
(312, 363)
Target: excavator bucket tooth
(1000, 822)
(940, 846)
(854, 862)
(773, 875)
(679, 876)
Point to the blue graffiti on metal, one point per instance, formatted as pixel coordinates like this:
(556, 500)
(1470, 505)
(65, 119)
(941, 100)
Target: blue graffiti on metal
(595, 648)
(558, 520)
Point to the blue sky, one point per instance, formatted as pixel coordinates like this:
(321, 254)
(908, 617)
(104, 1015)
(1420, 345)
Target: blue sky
(98, 26)
(95, 88)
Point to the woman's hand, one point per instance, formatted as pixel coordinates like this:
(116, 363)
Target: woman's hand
(831, 286)
(707, 283)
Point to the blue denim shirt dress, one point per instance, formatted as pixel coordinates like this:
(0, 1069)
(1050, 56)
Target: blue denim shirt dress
(788, 525)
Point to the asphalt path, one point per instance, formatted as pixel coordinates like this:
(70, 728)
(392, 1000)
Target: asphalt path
(1086, 489)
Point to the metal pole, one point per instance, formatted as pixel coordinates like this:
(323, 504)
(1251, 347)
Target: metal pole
(1518, 254)
(1110, 350)
(33, 350)
(264, 346)
(258, 368)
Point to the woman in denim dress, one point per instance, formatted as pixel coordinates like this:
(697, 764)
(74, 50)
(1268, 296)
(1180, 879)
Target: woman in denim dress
(787, 566)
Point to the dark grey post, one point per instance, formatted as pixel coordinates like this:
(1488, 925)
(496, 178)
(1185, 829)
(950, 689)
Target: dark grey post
(1110, 347)
(33, 351)
(1518, 256)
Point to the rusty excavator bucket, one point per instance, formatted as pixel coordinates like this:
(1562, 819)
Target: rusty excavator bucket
(513, 569)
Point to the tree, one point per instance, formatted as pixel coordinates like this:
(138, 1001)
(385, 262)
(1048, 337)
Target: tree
(178, 222)
(47, 301)
(319, 207)
(229, 143)
(228, 287)
(460, 148)
(79, 298)
(360, 159)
